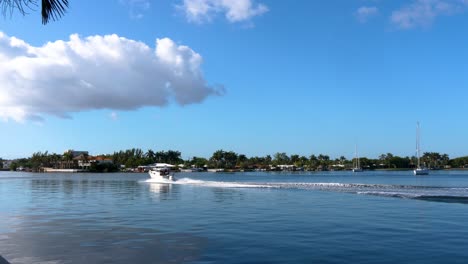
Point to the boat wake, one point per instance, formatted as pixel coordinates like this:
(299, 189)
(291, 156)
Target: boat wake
(425, 193)
(220, 184)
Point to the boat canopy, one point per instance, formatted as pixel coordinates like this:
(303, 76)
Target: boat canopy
(162, 165)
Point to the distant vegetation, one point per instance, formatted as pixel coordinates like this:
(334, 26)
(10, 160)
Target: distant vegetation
(132, 158)
(459, 162)
(230, 160)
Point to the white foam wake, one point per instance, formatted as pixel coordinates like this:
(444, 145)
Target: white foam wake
(431, 193)
(220, 184)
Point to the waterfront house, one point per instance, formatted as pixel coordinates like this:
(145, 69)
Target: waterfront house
(76, 153)
(286, 167)
(74, 161)
(85, 162)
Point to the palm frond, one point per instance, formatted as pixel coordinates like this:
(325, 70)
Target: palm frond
(8, 6)
(53, 9)
(50, 9)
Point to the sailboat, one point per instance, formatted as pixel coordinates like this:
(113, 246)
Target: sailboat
(420, 170)
(357, 167)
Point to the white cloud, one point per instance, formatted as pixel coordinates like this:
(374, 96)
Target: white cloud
(365, 12)
(137, 8)
(234, 10)
(96, 72)
(422, 13)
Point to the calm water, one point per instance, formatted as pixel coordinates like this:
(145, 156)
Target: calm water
(370, 217)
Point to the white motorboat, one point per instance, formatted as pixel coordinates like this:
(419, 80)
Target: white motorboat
(162, 173)
(420, 170)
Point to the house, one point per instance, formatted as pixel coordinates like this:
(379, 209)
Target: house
(287, 167)
(84, 161)
(76, 153)
(79, 160)
(103, 160)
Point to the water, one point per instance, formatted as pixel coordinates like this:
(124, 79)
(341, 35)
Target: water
(330, 217)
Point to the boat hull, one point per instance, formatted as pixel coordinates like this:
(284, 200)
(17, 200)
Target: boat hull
(421, 172)
(157, 176)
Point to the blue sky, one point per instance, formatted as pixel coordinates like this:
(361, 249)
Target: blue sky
(257, 77)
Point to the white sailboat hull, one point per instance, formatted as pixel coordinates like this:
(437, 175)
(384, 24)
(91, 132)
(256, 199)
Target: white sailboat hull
(421, 171)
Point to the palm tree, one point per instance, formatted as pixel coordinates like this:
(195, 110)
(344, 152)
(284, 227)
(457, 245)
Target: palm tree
(50, 9)
(56, 160)
(150, 155)
(68, 157)
(342, 160)
(445, 159)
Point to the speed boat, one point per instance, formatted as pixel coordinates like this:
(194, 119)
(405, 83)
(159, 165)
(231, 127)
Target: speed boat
(162, 174)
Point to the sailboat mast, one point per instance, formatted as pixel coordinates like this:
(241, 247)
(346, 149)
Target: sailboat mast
(419, 170)
(357, 157)
(417, 145)
(356, 163)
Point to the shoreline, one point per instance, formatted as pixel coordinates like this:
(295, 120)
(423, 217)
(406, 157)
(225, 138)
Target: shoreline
(51, 170)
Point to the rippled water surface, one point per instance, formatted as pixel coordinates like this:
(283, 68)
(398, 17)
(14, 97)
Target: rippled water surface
(369, 217)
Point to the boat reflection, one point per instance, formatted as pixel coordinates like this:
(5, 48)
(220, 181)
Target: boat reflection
(160, 187)
(163, 191)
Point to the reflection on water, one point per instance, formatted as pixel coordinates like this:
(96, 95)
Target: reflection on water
(223, 195)
(160, 188)
(245, 217)
(78, 242)
(69, 188)
(93, 219)
(163, 191)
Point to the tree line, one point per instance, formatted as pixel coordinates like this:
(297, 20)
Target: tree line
(132, 158)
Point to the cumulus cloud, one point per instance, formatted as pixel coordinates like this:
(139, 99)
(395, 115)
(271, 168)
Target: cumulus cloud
(96, 72)
(234, 10)
(422, 13)
(365, 12)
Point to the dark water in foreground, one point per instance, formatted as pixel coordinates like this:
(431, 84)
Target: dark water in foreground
(370, 217)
